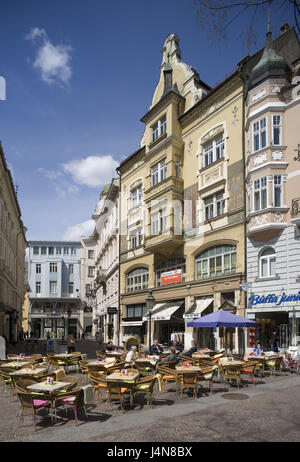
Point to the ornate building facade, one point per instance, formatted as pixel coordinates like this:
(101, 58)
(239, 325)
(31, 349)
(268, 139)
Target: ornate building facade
(106, 278)
(12, 256)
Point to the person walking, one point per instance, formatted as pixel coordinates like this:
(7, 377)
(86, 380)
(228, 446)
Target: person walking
(71, 343)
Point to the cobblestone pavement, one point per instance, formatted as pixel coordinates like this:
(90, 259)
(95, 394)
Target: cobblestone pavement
(269, 412)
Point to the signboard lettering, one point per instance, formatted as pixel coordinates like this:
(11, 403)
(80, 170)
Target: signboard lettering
(171, 277)
(274, 299)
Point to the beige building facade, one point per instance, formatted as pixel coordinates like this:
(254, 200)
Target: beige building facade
(182, 208)
(12, 256)
(87, 276)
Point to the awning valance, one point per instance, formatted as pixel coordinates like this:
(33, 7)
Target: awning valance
(163, 311)
(197, 308)
(131, 323)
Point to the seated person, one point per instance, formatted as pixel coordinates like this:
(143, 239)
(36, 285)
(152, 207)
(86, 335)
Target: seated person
(192, 350)
(109, 346)
(257, 351)
(170, 357)
(177, 346)
(131, 356)
(155, 349)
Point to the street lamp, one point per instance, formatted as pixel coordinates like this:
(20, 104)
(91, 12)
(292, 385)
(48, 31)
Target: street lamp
(150, 301)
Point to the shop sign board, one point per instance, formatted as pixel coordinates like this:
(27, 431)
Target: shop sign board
(171, 277)
(277, 300)
(112, 310)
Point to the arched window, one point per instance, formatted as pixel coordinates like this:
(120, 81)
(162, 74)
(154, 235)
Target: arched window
(267, 263)
(216, 261)
(137, 280)
(170, 265)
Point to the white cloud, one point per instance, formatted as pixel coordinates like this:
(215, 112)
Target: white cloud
(53, 61)
(62, 186)
(93, 171)
(73, 233)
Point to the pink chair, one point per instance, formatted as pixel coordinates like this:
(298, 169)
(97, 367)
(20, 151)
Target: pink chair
(73, 398)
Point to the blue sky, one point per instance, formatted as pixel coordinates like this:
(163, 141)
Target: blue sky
(79, 76)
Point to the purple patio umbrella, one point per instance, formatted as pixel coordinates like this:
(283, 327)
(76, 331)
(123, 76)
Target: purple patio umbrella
(222, 318)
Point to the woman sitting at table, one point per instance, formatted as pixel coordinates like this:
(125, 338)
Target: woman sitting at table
(257, 350)
(131, 356)
(192, 350)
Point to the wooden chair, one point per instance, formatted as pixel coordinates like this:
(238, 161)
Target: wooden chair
(146, 385)
(186, 358)
(188, 381)
(74, 360)
(83, 365)
(167, 375)
(274, 365)
(207, 374)
(38, 358)
(99, 383)
(133, 341)
(144, 367)
(116, 391)
(231, 372)
(6, 378)
(72, 382)
(22, 384)
(30, 404)
(74, 399)
(60, 374)
(249, 367)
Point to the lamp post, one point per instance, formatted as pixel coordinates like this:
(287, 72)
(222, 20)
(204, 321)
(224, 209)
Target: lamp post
(150, 301)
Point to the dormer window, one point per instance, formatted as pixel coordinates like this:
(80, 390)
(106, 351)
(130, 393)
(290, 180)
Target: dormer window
(159, 128)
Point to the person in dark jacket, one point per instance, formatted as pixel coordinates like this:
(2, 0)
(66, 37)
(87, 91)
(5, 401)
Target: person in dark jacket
(170, 357)
(192, 350)
(156, 349)
(177, 346)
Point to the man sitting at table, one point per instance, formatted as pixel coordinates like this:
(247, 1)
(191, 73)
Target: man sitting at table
(109, 346)
(192, 350)
(169, 358)
(131, 356)
(177, 346)
(156, 349)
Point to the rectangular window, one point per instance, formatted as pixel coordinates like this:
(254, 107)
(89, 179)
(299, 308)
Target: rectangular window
(159, 128)
(90, 254)
(51, 250)
(53, 287)
(73, 250)
(136, 239)
(277, 190)
(276, 126)
(136, 196)
(91, 271)
(35, 250)
(71, 288)
(260, 194)
(43, 250)
(259, 134)
(158, 172)
(213, 151)
(37, 287)
(214, 206)
(66, 250)
(71, 269)
(38, 268)
(53, 267)
(158, 222)
(58, 250)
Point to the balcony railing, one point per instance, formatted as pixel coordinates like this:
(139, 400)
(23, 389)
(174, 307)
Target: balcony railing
(295, 212)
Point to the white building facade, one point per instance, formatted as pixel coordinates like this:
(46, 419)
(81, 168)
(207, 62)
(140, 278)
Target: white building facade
(106, 280)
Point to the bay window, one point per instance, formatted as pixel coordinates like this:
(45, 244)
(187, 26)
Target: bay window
(159, 128)
(158, 172)
(276, 129)
(260, 194)
(260, 134)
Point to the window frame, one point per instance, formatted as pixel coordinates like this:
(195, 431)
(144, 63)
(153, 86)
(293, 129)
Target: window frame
(277, 186)
(267, 258)
(259, 190)
(212, 206)
(258, 133)
(228, 250)
(139, 278)
(53, 267)
(158, 170)
(159, 128)
(161, 221)
(279, 127)
(136, 196)
(213, 150)
(53, 284)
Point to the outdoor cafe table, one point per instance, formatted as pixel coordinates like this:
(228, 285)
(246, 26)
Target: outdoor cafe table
(64, 355)
(49, 388)
(104, 363)
(120, 377)
(234, 362)
(152, 359)
(30, 371)
(188, 369)
(116, 354)
(200, 356)
(17, 364)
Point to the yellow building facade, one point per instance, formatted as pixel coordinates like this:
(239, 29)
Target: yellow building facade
(182, 208)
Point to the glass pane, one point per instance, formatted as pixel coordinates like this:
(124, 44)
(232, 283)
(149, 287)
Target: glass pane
(277, 194)
(219, 265)
(204, 268)
(263, 198)
(138, 311)
(257, 200)
(264, 267)
(233, 262)
(227, 263)
(272, 266)
(212, 266)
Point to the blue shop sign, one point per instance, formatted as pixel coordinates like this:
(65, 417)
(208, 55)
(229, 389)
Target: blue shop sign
(274, 299)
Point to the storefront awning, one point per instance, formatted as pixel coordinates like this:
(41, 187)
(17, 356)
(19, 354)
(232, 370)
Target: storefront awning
(163, 311)
(197, 308)
(131, 323)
